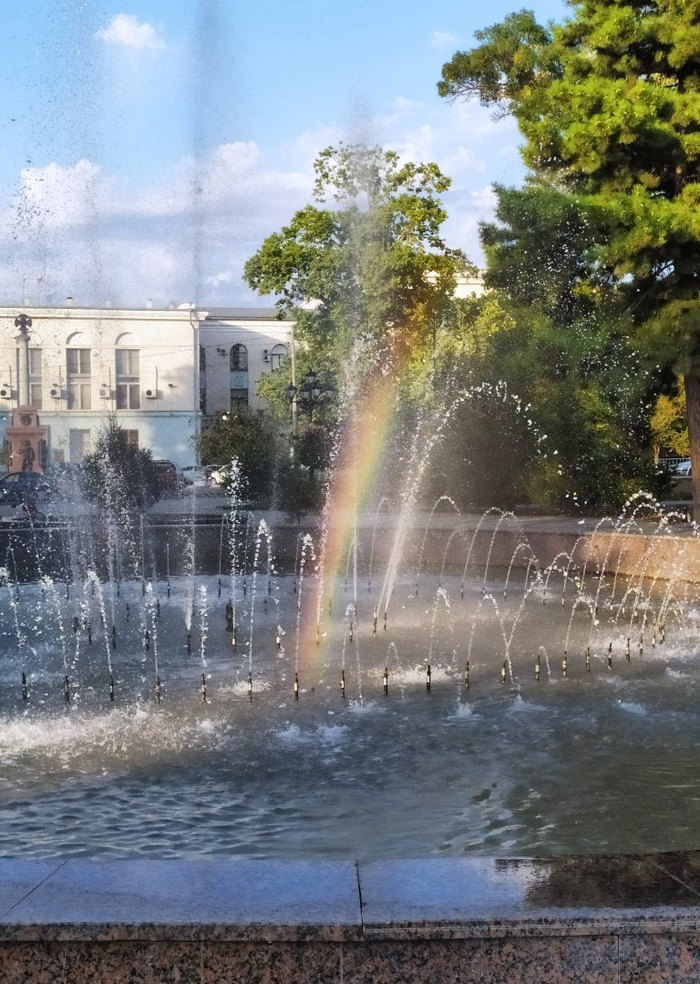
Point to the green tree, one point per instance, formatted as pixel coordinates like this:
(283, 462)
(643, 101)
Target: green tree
(250, 439)
(669, 425)
(608, 103)
(118, 474)
(372, 260)
(554, 332)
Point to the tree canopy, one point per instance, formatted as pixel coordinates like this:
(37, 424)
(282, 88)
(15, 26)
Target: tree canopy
(608, 103)
(370, 268)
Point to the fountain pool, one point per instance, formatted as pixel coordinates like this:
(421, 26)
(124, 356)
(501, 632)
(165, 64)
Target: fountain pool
(210, 749)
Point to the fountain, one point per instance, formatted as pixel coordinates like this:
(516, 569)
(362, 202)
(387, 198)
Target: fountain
(478, 697)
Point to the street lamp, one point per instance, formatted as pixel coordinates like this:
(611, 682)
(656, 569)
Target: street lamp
(311, 394)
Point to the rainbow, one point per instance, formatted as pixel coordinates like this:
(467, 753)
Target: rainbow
(360, 452)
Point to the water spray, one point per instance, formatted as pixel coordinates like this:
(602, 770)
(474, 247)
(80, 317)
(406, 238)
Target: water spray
(504, 671)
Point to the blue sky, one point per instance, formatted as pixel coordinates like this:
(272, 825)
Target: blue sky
(148, 148)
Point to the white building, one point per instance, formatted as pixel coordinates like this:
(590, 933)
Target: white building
(237, 346)
(160, 371)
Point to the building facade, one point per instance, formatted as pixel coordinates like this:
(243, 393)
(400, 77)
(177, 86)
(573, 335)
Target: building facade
(160, 372)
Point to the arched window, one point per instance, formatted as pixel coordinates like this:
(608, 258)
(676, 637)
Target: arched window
(78, 372)
(239, 378)
(278, 354)
(239, 358)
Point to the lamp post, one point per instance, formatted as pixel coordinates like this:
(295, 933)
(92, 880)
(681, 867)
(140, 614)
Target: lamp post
(310, 395)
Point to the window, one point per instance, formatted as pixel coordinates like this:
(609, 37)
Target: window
(239, 378)
(239, 358)
(132, 438)
(128, 379)
(78, 379)
(35, 378)
(239, 400)
(278, 354)
(80, 445)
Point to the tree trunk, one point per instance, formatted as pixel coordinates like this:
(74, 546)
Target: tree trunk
(692, 399)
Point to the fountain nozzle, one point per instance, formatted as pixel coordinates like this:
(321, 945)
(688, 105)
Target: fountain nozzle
(504, 671)
(158, 689)
(25, 692)
(385, 680)
(189, 643)
(342, 684)
(114, 637)
(203, 689)
(428, 676)
(385, 618)
(537, 666)
(588, 659)
(466, 676)
(296, 686)
(628, 653)
(374, 627)
(66, 689)
(111, 687)
(564, 664)
(250, 686)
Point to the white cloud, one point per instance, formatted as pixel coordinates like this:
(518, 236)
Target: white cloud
(443, 39)
(187, 234)
(127, 31)
(217, 279)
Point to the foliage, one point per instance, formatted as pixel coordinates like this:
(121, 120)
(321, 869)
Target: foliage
(250, 439)
(553, 330)
(117, 473)
(669, 425)
(299, 491)
(370, 272)
(313, 447)
(609, 105)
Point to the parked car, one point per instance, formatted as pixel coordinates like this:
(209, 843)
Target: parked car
(17, 487)
(194, 475)
(683, 469)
